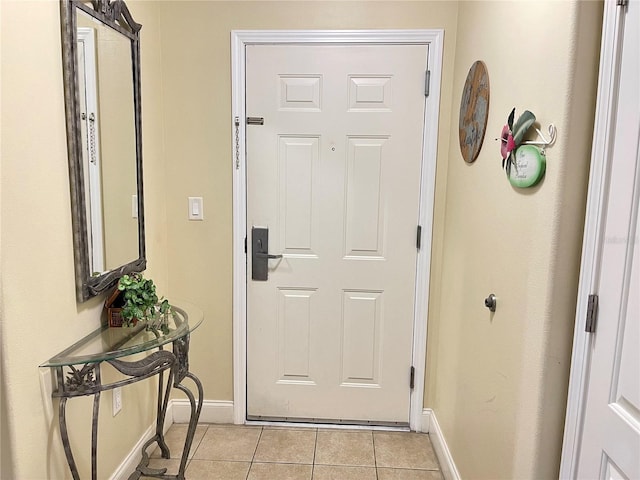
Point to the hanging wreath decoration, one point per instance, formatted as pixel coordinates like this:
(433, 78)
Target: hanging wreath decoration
(523, 162)
(512, 136)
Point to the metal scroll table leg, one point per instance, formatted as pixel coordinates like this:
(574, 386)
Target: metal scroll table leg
(181, 351)
(149, 366)
(196, 407)
(94, 437)
(94, 428)
(163, 401)
(79, 382)
(65, 439)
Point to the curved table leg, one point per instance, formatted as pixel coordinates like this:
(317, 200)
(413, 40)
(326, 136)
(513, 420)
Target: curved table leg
(65, 439)
(196, 407)
(94, 437)
(163, 401)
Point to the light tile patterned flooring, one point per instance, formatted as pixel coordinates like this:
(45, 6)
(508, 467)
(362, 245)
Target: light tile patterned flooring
(230, 452)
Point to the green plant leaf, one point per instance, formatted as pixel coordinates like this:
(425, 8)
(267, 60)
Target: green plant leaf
(521, 126)
(164, 306)
(141, 301)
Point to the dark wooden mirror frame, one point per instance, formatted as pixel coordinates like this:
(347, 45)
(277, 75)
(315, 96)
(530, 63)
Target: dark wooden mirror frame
(116, 15)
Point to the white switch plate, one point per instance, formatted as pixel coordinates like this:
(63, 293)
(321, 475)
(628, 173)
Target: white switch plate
(134, 206)
(196, 211)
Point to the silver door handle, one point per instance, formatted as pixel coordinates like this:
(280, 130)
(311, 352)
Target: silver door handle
(267, 255)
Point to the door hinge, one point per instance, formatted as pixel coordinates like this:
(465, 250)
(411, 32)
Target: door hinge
(419, 237)
(622, 3)
(245, 244)
(412, 377)
(427, 82)
(592, 314)
(255, 120)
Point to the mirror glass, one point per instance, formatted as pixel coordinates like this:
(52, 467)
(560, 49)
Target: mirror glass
(107, 120)
(101, 67)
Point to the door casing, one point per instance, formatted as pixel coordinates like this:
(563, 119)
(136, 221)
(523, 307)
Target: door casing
(87, 36)
(239, 39)
(603, 136)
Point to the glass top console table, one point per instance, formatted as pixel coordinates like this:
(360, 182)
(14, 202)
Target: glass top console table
(78, 374)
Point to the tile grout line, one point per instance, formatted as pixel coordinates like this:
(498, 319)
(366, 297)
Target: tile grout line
(375, 457)
(191, 457)
(254, 453)
(315, 449)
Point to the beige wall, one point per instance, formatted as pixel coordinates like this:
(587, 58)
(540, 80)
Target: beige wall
(497, 382)
(40, 315)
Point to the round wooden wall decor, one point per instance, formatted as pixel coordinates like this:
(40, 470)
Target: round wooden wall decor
(474, 110)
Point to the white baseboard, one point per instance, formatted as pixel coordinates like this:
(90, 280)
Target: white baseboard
(447, 465)
(178, 411)
(425, 420)
(213, 411)
(132, 460)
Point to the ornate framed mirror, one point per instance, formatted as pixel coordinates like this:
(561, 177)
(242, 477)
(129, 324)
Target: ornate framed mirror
(101, 67)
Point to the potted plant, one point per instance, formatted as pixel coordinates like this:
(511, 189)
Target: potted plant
(135, 300)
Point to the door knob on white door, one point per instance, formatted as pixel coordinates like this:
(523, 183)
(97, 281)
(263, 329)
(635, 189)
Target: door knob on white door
(260, 254)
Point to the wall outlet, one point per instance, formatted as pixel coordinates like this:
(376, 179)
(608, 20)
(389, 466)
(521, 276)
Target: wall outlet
(117, 400)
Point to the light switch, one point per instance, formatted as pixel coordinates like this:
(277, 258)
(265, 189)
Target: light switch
(134, 206)
(196, 208)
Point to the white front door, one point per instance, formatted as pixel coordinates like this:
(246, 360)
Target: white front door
(334, 175)
(611, 436)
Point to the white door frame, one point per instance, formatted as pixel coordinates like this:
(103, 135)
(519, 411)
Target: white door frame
(239, 40)
(87, 36)
(601, 159)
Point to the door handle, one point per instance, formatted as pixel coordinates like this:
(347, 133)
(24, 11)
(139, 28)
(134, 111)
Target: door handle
(267, 255)
(260, 255)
